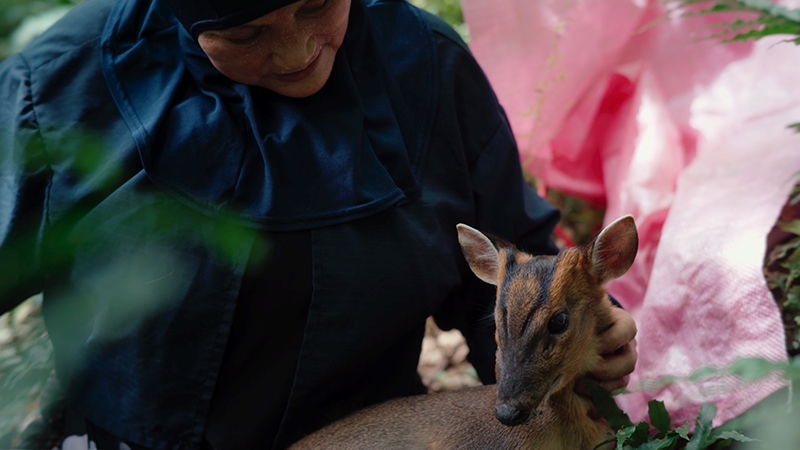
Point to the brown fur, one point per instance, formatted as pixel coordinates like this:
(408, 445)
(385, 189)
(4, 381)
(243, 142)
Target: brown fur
(537, 370)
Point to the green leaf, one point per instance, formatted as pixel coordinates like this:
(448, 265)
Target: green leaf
(702, 373)
(791, 227)
(750, 369)
(695, 443)
(624, 434)
(640, 435)
(795, 195)
(706, 415)
(795, 126)
(734, 435)
(792, 298)
(682, 431)
(607, 441)
(783, 249)
(633, 436)
(702, 427)
(616, 418)
(772, 9)
(793, 261)
(776, 280)
(659, 416)
(666, 443)
(770, 19)
(769, 30)
(794, 273)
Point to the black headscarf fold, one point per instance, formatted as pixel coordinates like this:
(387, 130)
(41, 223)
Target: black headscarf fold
(203, 15)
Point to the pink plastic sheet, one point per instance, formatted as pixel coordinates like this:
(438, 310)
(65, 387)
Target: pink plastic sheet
(620, 103)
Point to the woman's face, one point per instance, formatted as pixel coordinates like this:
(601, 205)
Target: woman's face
(289, 51)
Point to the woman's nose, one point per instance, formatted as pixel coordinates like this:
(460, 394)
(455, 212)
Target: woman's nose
(293, 51)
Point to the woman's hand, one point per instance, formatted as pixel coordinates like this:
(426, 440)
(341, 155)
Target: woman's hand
(618, 351)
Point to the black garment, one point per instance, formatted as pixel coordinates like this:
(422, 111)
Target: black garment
(104, 440)
(260, 361)
(197, 16)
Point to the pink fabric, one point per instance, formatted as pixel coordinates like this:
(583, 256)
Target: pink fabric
(618, 102)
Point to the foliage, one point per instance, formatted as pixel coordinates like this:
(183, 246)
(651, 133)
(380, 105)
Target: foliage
(658, 434)
(449, 10)
(20, 20)
(783, 285)
(580, 220)
(782, 272)
(769, 19)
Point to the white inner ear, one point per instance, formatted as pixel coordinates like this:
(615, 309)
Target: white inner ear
(480, 253)
(615, 249)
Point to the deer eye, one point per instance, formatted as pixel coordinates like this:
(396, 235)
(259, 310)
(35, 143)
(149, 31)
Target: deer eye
(558, 323)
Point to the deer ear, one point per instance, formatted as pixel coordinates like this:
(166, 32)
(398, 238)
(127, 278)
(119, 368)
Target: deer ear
(480, 253)
(615, 249)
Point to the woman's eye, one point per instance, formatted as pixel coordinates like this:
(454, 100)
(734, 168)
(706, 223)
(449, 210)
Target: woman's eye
(313, 6)
(244, 37)
(558, 323)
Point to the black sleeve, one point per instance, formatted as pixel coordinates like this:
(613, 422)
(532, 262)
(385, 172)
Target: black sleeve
(504, 204)
(506, 207)
(24, 182)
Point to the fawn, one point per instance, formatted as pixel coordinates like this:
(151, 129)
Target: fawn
(549, 311)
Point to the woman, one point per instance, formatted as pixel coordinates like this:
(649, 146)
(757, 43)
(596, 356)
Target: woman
(243, 212)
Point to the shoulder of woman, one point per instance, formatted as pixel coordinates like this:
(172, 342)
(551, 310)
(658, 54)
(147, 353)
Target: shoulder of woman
(77, 34)
(409, 20)
(443, 31)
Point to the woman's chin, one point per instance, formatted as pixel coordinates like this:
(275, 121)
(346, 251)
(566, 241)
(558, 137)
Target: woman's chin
(306, 87)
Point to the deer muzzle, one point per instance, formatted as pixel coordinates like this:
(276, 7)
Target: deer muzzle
(510, 415)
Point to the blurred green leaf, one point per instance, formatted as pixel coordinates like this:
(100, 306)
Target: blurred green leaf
(770, 19)
(790, 227)
(665, 443)
(683, 431)
(641, 434)
(449, 11)
(706, 415)
(782, 250)
(750, 369)
(702, 373)
(792, 298)
(702, 428)
(659, 416)
(733, 435)
(615, 417)
(624, 434)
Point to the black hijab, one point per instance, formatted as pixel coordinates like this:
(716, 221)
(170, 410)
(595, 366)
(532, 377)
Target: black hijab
(197, 16)
(351, 150)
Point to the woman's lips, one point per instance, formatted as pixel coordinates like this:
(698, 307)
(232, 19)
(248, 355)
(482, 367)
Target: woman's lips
(301, 74)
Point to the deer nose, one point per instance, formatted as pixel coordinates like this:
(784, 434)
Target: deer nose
(510, 416)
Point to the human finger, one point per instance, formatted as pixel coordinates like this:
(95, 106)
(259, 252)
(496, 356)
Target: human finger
(621, 332)
(612, 370)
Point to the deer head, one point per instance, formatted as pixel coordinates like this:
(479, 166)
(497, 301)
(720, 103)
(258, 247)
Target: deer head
(548, 313)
